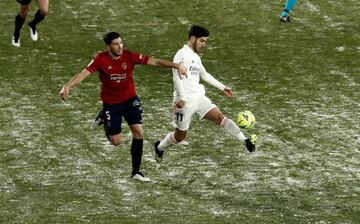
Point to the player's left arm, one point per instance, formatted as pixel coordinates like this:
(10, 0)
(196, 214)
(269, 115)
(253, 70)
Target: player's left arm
(168, 64)
(207, 77)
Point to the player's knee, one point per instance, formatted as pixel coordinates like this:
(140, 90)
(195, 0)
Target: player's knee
(219, 118)
(138, 133)
(116, 142)
(24, 11)
(116, 139)
(180, 136)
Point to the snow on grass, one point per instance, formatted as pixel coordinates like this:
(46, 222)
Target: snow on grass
(311, 7)
(184, 21)
(340, 48)
(56, 169)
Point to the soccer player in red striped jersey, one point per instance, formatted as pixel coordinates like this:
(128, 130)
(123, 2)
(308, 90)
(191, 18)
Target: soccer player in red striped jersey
(115, 67)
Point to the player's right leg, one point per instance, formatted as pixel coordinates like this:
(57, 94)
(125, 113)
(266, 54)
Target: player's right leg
(112, 123)
(19, 21)
(182, 119)
(116, 139)
(99, 120)
(170, 139)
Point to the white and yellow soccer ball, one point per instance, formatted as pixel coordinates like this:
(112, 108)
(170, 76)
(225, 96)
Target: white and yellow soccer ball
(245, 119)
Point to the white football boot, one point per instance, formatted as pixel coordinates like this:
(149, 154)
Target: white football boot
(98, 120)
(15, 44)
(33, 34)
(140, 177)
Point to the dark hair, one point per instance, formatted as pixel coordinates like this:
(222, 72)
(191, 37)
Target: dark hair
(109, 37)
(198, 31)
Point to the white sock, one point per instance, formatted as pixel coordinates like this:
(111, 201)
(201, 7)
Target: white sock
(167, 141)
(231, 128)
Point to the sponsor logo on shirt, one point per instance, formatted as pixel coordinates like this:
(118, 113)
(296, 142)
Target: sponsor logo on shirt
(118, 77)
(194, 70)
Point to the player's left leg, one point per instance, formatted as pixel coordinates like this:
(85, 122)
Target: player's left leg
(137, 152)
(211, 112)
(136, 147)
(39, 16)
(216, 116)
(133, 117)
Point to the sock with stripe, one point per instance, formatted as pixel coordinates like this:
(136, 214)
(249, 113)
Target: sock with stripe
(231, 128)
(288, 7)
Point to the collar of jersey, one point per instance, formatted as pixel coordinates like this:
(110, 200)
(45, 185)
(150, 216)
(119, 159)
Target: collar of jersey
(189, 49)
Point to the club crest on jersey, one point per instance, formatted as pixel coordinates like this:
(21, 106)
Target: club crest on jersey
(124, 66)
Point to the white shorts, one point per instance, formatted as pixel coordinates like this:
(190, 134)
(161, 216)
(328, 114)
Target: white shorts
(182, 116)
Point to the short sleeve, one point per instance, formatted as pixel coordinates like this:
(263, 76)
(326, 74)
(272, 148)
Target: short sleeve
(139, 58)
(94, 65)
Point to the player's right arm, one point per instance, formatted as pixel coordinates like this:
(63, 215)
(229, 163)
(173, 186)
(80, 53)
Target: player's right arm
(178, 84)
(76, 79)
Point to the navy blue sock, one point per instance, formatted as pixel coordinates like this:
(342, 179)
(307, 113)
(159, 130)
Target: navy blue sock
(19, 21)
(136, 154)
(38, 18)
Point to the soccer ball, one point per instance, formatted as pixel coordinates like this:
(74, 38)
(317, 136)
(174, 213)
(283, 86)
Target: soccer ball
(245, 119)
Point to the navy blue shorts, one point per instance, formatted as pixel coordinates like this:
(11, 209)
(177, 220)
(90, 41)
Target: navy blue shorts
(131, 111)
(24, 2)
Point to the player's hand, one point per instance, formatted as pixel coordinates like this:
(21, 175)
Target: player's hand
(64, 93)
(180, 104)
(228, 92)
(182, 70)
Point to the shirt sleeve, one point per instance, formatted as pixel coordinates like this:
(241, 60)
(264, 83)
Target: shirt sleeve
(139, 58)
(94, 65)
(207, 77)
(178, 84)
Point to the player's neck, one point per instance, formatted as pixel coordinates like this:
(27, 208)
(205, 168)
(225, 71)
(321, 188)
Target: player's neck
(190, 45)
(113, 56)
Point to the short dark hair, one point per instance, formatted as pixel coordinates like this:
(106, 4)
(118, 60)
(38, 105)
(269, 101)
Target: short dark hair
(198, 31)
(109, 37)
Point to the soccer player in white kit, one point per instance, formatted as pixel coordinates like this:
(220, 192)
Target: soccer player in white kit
(190, 98)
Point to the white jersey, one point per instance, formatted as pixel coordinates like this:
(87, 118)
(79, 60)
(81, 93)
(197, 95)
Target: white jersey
(189, 88)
